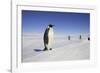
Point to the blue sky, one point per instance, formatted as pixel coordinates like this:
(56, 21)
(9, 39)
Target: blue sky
(65, 22)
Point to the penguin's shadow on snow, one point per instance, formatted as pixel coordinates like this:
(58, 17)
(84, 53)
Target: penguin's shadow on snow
(38, 50)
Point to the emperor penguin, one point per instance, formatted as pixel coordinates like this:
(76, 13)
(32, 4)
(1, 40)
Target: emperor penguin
(48, 38)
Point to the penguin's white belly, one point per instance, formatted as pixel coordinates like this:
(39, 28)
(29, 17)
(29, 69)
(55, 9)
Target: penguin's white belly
(50, 38)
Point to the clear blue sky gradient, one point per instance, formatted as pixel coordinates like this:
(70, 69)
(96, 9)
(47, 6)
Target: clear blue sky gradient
(65, 22)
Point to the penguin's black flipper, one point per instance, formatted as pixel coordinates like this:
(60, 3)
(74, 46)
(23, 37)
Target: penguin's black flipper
(45, 38)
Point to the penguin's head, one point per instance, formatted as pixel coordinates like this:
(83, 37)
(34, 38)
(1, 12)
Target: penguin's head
(50, 25)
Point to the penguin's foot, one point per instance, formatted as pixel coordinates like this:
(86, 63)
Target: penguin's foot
(50, 48)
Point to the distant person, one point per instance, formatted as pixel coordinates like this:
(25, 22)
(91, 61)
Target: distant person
(88, 38)
(69, 37)
(48, 37)
(80, 37)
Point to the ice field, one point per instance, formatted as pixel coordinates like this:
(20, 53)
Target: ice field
(63, 49)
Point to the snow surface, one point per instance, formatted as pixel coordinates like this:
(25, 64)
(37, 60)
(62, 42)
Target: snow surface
(63, 49)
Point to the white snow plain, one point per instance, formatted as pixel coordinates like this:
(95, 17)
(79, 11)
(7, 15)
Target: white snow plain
(63, 49)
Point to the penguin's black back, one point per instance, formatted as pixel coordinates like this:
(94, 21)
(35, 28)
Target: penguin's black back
(45, 38)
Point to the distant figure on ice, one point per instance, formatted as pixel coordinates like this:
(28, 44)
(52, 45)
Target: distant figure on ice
(69, 37)
(48, 37)
(88, 38)
(80, 37)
